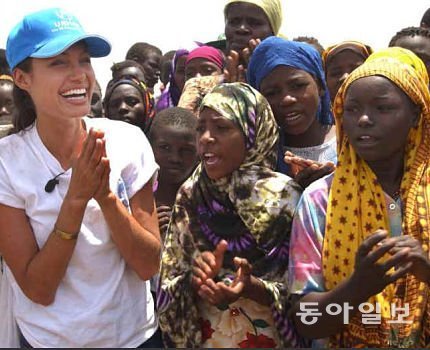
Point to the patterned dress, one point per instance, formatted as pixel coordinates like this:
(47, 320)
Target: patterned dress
(252, 210)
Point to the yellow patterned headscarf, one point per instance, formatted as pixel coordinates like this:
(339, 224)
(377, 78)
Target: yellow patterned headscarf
(357, 208)
(356, 46)
(403, 55)
(272, 9)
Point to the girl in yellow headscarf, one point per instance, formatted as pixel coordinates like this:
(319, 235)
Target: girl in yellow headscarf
(360, 236)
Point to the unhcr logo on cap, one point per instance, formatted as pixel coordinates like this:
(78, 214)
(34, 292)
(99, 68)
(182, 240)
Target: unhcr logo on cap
(48, 33)
(66, 21)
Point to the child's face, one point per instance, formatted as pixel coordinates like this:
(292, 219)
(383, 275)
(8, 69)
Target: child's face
(152, 69)
(339, 67)
(294, 96)
(200, 67)
(180, 72)
(126, 104)
(6, 100)
(377, 118)
(175, 152)
(96, 104)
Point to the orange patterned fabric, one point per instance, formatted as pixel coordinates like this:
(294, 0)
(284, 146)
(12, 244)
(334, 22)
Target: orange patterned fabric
(357, 208)
(355, 46)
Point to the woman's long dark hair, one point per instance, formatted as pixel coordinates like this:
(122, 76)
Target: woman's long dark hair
(25, 111)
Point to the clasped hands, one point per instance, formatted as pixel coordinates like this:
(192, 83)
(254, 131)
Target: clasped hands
(91, 170)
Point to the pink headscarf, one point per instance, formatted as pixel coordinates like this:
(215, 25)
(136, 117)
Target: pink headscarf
(207, 52)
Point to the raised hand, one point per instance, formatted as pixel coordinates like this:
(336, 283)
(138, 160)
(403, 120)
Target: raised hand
(236, 63)
(208, 264)
(247, 51)
(88, 170)
(417, 260)
(370, 276)
(234, 71)
(306, 171)
(103, 191)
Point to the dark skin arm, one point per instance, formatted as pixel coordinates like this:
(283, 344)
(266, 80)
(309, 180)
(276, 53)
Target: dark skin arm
(306, 171)
(369, 278)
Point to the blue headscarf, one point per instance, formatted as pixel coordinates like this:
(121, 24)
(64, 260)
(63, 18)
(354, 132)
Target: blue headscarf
(274, 52)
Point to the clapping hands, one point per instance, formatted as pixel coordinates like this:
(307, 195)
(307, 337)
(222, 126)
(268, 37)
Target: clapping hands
(404, 255)
(236, 63)
(207, 266)
(91, 169)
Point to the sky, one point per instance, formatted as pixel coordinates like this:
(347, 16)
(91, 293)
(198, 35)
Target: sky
(170, 23)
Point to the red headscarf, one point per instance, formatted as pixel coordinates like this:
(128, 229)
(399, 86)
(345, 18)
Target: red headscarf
(207, 52)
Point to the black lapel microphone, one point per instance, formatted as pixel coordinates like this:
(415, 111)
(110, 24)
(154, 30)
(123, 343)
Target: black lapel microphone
(50, 185)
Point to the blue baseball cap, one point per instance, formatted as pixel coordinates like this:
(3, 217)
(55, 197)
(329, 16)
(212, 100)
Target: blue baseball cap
(48, 33)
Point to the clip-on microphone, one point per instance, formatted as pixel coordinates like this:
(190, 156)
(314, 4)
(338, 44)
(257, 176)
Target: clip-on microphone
(50, 185)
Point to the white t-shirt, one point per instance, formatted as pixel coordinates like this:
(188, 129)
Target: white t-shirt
(101, 302)
(326, 152)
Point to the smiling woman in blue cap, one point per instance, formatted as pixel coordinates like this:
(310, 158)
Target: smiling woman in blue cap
(78, 228)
